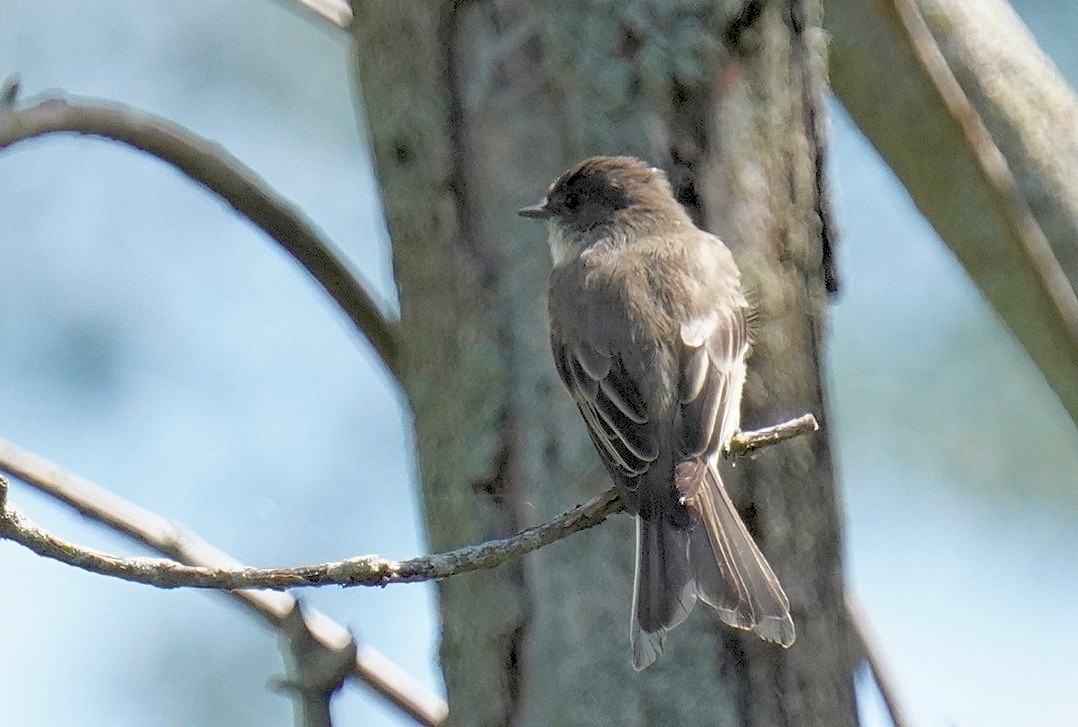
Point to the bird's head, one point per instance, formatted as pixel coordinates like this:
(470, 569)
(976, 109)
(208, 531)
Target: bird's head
(602, 195)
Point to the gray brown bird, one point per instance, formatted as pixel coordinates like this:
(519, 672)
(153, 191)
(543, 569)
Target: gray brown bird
(648, 327)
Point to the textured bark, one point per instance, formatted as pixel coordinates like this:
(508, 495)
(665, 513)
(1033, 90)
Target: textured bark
(473, 109)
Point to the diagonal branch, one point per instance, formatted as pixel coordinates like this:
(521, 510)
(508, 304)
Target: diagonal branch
(874, 661)
(275, 610)
(367, 570)
(215, 169)
(940, 148)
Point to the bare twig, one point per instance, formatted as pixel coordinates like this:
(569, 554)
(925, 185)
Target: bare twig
(211, 166)
(367, 570)
(746, 444)
(875, 662)
(273, 609)
(208, 567)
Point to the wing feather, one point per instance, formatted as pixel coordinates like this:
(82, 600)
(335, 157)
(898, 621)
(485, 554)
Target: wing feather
(712, 376)
(611, 405)
(731, 573)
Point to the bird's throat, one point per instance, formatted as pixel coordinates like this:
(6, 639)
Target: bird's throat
(559, 245)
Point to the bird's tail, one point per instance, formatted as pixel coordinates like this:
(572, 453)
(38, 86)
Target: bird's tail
(664, 591)
(696, 545)
(730, 573)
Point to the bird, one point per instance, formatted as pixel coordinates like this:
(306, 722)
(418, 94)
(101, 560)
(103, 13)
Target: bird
(649, 330)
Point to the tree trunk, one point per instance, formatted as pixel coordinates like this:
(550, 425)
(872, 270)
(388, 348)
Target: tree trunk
(473, 108)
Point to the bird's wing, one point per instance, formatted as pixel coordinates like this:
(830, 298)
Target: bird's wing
(731, 573)
(611, 404)
(711, 378)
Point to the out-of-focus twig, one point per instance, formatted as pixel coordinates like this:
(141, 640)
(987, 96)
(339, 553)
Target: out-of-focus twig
(874, 660)
(315, 673)
(273, 609)
(215, 169)
(892, 73)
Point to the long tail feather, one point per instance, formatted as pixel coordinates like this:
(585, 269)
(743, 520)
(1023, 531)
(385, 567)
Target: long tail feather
(664, 592)
(731, 573)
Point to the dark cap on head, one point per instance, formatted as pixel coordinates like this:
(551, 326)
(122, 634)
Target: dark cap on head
(597, 189)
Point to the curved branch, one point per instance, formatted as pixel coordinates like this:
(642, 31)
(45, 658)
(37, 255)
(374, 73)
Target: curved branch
(364, 570)
(208, 164)
(367, 570)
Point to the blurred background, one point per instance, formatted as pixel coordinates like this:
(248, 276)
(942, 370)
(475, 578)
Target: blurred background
(152, 341)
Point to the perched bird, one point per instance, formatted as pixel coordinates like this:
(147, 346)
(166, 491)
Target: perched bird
(648, 327)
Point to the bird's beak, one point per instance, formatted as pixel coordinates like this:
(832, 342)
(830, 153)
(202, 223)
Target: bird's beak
(536, 211)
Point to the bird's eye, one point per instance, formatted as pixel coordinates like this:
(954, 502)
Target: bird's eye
(572, 201)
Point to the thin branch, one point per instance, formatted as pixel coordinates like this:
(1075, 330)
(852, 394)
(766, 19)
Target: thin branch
(367, 570)
(274, 609)
(215, 169)
(205, 564)
(747, 444)
(874, 661)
